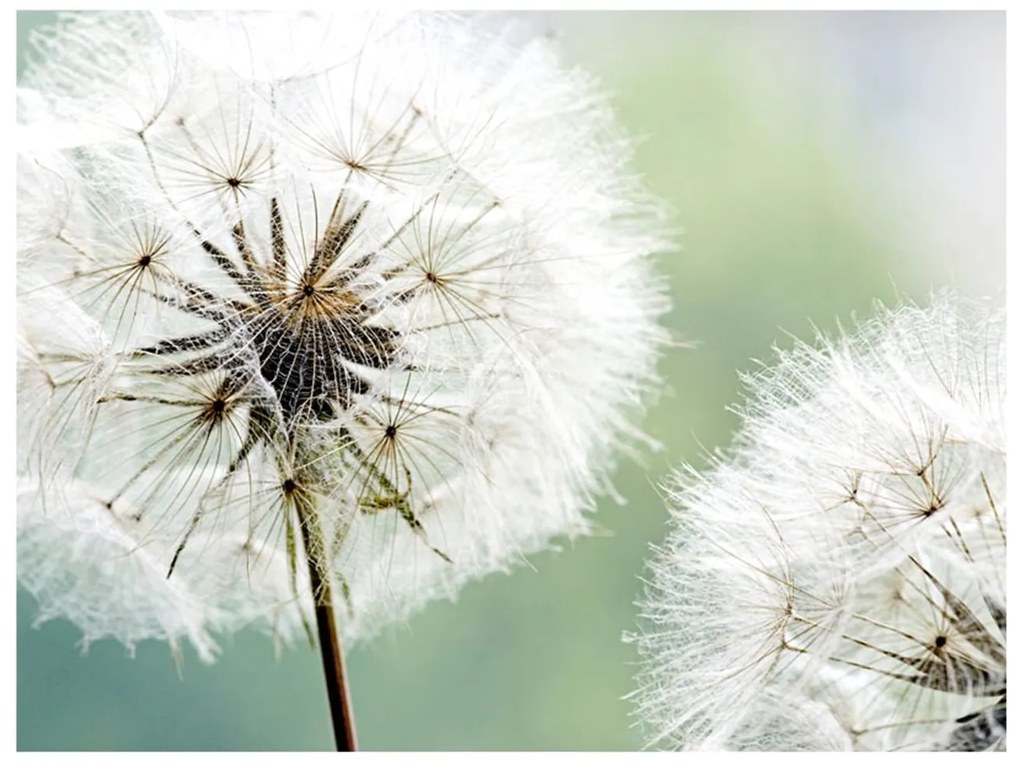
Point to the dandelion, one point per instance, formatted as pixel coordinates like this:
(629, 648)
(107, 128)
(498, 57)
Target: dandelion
(322, 310)
(838, 580)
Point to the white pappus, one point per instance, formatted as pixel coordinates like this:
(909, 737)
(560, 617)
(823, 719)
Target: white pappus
(370, 289)
(836, 580)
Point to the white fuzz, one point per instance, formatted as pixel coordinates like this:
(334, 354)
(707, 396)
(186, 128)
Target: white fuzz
(372, 290)
(838, 580)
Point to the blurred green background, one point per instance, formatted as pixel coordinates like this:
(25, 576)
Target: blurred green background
(813, 163)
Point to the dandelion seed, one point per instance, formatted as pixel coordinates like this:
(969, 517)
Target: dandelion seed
(838, 580)
(362, 307)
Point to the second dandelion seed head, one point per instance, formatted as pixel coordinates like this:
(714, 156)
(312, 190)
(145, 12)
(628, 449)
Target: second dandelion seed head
(838, 580)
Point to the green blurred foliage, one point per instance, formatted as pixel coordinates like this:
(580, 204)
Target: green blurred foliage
(784, 224)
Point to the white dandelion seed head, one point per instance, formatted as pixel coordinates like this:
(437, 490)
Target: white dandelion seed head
(837, 580)
(388, 272)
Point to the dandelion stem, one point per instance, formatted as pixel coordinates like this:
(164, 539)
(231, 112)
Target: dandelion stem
(333, 666)
(335, 671)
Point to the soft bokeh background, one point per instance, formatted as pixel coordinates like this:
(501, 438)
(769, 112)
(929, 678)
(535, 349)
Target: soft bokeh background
(814, 163)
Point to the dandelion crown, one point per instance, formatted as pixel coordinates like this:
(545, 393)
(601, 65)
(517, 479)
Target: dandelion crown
(366, 293)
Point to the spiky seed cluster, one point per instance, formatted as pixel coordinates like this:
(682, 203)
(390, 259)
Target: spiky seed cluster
(371, 288)
(837, 581)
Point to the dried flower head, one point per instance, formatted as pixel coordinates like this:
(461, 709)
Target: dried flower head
(838, 580)
(369, 290)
